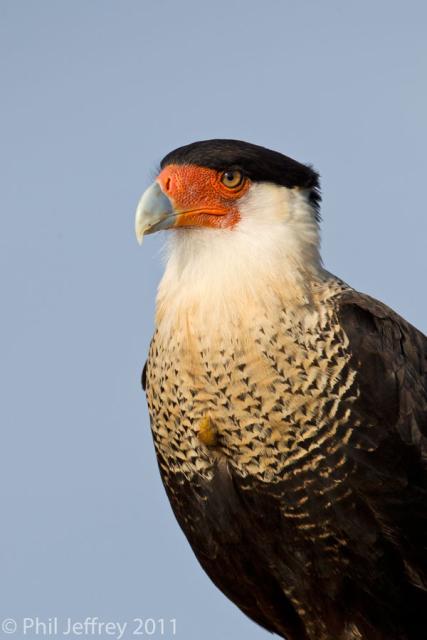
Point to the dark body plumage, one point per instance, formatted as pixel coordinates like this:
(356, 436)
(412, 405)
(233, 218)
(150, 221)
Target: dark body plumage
(308, 505)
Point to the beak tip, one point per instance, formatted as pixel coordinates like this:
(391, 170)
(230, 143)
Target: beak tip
(139, 233)
(153, 212)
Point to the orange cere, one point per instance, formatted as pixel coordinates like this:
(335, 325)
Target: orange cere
(200, 197)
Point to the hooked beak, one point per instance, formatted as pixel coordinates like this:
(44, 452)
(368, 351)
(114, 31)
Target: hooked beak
(154, 212)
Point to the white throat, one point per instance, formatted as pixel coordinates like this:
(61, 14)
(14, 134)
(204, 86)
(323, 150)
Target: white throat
(216, 277)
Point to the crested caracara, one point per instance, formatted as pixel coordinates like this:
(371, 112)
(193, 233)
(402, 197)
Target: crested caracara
(289, 411)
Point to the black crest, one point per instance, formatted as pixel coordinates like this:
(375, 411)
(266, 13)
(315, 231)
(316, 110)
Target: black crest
(257, 163)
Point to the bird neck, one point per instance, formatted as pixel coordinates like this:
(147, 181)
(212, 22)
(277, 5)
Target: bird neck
(215, 279)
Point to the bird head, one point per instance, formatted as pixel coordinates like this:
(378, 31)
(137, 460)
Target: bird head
(243, 224)
(218, 184)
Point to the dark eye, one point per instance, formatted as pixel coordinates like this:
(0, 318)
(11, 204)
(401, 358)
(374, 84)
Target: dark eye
(232, 178)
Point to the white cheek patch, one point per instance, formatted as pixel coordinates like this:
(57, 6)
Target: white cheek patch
(281, 209)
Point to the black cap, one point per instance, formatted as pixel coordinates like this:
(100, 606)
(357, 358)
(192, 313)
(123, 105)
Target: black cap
(257, 163)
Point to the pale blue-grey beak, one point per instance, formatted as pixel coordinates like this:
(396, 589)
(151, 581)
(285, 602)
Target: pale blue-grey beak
(154, 212)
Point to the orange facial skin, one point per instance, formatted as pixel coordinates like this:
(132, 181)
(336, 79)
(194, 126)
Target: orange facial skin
(200, 198)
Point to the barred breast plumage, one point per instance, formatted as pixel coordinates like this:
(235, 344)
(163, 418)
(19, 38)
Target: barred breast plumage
(273, 391)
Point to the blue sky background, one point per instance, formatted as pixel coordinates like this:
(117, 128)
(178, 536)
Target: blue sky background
(93, 94)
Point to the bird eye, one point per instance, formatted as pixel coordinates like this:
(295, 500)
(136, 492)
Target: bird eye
(232, 179)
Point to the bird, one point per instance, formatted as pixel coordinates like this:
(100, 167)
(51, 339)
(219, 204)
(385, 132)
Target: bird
(288, 410)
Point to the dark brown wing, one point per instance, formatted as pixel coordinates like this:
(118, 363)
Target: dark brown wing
(391, 356)
(389, 451)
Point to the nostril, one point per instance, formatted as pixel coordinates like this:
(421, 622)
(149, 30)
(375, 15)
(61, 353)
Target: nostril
(168, 184)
